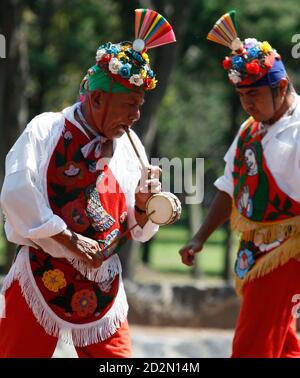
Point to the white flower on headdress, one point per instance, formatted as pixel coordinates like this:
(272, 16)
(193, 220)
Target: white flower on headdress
(136, 80)
(250, 42)
(114, 65)
(99, 54)
(236, 44)
(234, 76)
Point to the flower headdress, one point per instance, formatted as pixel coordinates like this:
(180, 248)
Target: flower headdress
(250, 60)
(125, 66)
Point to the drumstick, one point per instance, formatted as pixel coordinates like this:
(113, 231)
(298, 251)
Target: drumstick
(137, 152)
(134, 147)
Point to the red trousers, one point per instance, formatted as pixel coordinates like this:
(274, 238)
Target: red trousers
(266, 327)
(22, 336)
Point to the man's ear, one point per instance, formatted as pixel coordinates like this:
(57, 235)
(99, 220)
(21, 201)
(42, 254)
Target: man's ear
(97, 98)
(283, 85)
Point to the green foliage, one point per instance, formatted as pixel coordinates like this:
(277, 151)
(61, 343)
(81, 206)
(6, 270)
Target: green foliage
(63, 37)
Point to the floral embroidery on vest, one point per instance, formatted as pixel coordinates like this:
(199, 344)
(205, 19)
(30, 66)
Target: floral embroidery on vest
(70, 295)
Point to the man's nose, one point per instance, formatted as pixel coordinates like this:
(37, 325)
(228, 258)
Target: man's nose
(248, 102)
(134, 116)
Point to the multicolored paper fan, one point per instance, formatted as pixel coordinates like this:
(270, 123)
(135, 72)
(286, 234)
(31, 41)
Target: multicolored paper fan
(224, 31)
(151, 30)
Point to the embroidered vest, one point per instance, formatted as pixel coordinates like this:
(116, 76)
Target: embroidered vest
(93, 204)
(266, 216)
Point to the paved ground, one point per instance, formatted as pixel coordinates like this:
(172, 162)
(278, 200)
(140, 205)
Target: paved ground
(153, 342)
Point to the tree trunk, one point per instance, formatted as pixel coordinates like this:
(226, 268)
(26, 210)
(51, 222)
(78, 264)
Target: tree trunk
(194, 217)
(44, 15)
(146, 247)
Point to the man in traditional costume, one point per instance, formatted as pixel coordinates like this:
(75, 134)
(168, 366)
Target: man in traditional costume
(73, 191)
(260, 192)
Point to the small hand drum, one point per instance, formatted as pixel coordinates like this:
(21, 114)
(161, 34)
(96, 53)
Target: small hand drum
(163, 208)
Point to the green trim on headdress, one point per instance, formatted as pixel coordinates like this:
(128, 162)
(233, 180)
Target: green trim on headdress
(96, 78)
(101, 80)
(232, 14)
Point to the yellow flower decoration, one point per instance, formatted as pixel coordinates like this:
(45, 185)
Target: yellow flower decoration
(143, 74)
(153, 84)
(265, 47)
(122, 55)
(145, 56)
(54, 280)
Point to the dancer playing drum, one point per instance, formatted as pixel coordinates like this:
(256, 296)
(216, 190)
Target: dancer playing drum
(70, 190)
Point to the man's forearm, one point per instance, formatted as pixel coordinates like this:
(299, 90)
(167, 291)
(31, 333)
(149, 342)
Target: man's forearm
(218, 213)
(63, 237)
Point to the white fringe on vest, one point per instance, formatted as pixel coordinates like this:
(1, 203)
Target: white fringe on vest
(77, 334)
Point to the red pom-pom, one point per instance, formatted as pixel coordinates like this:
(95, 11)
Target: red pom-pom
(147, 82)
(106, 58)
(227, 63)
(253, 67)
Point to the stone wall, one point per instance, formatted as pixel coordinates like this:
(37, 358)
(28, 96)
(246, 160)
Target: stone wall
(167, 304)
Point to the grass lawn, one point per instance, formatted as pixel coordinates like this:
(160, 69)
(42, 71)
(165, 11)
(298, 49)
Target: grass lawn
(165, 258)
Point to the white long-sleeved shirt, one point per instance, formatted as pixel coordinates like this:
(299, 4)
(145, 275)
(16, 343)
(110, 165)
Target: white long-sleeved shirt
(24, 201)
(281, 148)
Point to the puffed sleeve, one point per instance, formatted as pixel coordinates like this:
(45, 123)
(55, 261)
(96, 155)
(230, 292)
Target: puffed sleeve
(24, 205)
(225, 182)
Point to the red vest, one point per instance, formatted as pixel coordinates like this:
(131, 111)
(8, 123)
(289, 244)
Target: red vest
(257, 197)
(78, 194)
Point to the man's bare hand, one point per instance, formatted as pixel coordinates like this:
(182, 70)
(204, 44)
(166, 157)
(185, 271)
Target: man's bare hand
(188, 252)
(148, 185)
(81, 247)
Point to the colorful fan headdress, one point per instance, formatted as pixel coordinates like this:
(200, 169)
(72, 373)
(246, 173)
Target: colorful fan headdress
(125, 66)
(252, 63)
(151, 30)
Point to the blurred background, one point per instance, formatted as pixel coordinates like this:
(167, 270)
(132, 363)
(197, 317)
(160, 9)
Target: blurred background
(193, 113)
